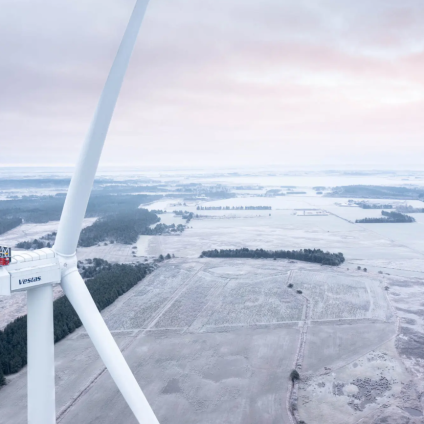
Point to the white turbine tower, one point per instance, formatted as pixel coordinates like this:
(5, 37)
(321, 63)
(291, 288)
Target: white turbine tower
(38, 270)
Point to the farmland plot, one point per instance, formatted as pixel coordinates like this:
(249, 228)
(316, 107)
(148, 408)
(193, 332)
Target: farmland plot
(214, 340)
(136, 308)
(256, 301)
(342, 296)
(189, 304)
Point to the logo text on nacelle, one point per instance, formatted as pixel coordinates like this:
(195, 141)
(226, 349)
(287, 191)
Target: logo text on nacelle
(29, 280)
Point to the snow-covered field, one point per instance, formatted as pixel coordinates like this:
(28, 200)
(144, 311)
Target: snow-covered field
(29, 232)
(353, 295)
(214, 340)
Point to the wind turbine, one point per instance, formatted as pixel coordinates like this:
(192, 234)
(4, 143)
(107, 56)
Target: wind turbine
(38, 270)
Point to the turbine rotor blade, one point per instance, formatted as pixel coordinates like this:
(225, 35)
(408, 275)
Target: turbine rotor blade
(82, 181)
(75, 289)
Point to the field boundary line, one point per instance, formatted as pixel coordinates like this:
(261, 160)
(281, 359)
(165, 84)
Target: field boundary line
(62, 413)
(170, 301)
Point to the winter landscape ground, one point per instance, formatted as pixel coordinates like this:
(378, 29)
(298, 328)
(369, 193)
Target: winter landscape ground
(215, 340)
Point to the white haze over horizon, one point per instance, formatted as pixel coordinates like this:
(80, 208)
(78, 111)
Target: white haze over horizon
(325, 84)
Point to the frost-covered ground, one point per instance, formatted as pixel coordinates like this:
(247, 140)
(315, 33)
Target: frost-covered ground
(214, 340)
(346, 382)
(14, 306)
(29, 232)
(283, 230)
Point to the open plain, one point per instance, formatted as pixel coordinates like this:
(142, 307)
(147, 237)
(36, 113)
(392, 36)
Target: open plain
(214, 340)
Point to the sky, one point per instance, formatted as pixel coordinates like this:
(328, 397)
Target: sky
(217, 82)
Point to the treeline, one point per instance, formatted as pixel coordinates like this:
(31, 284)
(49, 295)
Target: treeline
(132, 188)
(233, 208)
(105, 288)
(388, 217)
(274, 192)
(45, 241)
(306, 255)
(409, 209)
(63, 183)
(160, 229)
(125, 228)
(188, 216)
(247, 187)
(366, 205)
(33, 245)
(92, 267)
(40, 183)
(9, 223)
(122, 227)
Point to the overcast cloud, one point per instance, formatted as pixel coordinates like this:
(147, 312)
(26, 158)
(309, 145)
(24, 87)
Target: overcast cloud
(217, 82)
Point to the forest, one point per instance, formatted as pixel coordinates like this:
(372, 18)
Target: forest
(306, 255)
(108, 283)
(9, 223)
(377, 192)
(125, 228)
(41, 209)
(388, 217)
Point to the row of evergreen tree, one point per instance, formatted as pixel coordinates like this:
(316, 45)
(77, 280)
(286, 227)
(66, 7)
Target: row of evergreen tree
(388, 217)
(111, 281)
(366, 205)
(306, 255)
(188, 216)
(160, 229)
(33, 245)
(231, 208)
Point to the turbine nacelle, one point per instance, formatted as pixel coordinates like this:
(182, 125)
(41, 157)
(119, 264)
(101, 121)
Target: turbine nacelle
(30, 269)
